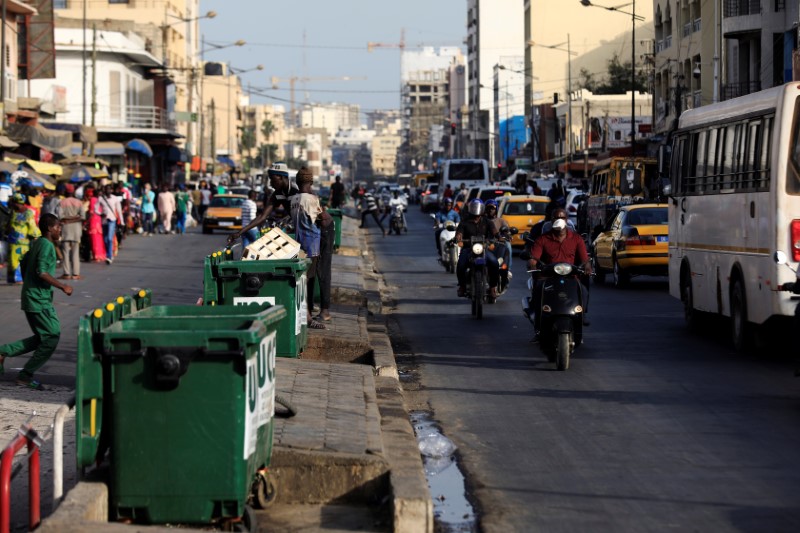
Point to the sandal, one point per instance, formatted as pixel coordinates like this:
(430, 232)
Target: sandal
(321, 318)
(316, 325)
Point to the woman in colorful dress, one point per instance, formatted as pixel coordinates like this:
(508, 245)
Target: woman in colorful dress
(21, 232)
(95, 227)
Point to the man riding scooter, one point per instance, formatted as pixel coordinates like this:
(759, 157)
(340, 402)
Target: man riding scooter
(442, 217)
(475, 225)
(559, 245)
(502, 226)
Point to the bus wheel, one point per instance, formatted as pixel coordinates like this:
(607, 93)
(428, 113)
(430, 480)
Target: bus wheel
(738, 317)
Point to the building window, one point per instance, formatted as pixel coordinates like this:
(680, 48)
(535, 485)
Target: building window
(59, 4)
(780, 5)
(119, 1)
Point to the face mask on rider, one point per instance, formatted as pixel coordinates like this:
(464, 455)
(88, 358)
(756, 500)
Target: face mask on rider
(559, 224)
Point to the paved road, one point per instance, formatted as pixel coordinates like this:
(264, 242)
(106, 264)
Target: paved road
(651, 429)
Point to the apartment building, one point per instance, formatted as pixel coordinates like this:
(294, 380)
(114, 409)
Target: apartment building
(384, 154)
(495, 28)
(170, 31)
(331, 117)
(425, 78)
(222, 120)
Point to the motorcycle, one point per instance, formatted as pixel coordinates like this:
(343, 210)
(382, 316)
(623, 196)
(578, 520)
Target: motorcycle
(559, 312)
(397, 223)
(448, 250)
(780, 258)
(505, 276)
(477, 283)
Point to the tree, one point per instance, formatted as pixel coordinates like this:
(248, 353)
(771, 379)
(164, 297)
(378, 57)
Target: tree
(616, 81)
(267, 129)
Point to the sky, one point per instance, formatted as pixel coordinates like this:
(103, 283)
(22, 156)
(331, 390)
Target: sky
(336, 37)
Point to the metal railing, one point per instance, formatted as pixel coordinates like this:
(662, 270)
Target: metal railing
(687, 29)
(131, 116)
(696, 25)
(667, 41)
(26, 436)
(738, 8)
(734, 90)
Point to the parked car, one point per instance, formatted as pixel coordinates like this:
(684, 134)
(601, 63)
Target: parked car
(522, 211)
(574, 198)
(430, 198)
(635, 241)
(224, 212)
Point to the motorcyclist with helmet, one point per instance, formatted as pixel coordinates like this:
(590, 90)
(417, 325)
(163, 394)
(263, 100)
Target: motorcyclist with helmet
(446, 214)
(476, 225)
(502, 227)
(559, 244)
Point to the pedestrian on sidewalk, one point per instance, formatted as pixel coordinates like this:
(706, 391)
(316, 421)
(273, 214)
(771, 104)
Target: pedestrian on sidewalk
(248, 215)
(73, 214)
(205, 200)
(324, 268)
(148, 209)
(110, 214)
(369, 206)
(166, 206)
(95, 231)
(181, 207)
(37, 303)
(337, 193)
(306, 210)
(21, 232)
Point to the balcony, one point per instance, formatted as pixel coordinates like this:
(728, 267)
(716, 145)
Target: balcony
(739, 8)
(667, 42)
(735, 90)
(687, 29)
(135, 117)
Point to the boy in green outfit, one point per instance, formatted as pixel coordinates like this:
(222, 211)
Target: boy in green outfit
(38, 273)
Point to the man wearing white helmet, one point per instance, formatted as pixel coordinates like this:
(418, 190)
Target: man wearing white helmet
(561, 245)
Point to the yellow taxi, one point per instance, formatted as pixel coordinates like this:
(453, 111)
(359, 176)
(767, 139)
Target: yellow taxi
(522, 211)
(634, 242)
(224, 212)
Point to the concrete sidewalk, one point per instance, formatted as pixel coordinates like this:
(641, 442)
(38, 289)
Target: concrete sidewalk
(349, 459)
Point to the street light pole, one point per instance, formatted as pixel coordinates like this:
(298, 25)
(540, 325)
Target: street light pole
(634, 18)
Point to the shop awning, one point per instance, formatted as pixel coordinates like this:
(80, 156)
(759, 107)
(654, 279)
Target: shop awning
(80, 173)
(55, 141)
(139, 145)
(225, 160)
(176, 155)
(34, 178)
(38, 166)
(104, 148)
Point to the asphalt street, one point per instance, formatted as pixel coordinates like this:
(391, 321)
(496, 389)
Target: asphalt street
(651, 429)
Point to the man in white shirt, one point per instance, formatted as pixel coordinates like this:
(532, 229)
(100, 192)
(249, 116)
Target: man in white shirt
(248, 215)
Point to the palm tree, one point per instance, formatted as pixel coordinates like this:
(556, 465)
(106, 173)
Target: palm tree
(267, 129)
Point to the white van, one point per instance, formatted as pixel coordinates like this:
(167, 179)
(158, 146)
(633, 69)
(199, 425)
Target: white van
(471, 172)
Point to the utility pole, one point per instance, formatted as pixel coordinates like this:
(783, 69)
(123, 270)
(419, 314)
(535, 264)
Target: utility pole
(94, 82)
(508, 120)
(570, 147)
(213, 140)
(3, 67)
(202, 117)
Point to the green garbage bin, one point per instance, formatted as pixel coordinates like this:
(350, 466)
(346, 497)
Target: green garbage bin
(275, 281)
(90, 396)
(192, 401)
(336, 214)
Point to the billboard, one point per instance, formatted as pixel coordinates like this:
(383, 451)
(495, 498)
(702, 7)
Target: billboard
(41, 52)
(615, 132)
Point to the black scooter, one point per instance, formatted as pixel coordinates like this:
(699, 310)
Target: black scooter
(558, 317)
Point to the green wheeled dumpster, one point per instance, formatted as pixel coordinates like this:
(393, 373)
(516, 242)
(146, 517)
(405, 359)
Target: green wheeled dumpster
(192, 400)
(273, 281)
(336, 214)
(91, 399)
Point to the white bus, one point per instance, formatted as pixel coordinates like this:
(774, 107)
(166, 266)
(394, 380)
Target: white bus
(470, 172)
(735, 200)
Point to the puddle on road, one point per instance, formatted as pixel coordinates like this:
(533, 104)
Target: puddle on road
(451, 510)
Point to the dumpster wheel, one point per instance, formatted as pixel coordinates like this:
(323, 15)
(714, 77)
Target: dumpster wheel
(264, 490)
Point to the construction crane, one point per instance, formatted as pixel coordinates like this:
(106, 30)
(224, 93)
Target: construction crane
(303, 79)
(401, 45)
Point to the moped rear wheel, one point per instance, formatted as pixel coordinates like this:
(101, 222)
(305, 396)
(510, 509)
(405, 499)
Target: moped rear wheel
(563, 351)
(478, 292)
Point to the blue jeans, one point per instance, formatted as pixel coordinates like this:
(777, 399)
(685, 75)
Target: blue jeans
(249, 237)
(492, 266)
(180, 224)
(109, 230)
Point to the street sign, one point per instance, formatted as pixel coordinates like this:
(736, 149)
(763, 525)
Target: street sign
(185, 116)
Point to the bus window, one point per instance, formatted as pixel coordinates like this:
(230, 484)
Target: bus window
(793, 176)
(763, 178)
(630, 181)
(751, 158)
(700, 160)
(727, 157)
